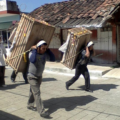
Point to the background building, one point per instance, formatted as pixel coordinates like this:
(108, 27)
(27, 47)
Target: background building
(9, 14)
(102, 17)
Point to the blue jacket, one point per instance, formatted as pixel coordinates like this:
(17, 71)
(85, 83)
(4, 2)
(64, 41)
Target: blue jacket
(51, 56)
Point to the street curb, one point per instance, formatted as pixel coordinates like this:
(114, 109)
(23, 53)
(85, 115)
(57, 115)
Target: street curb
(93, 73)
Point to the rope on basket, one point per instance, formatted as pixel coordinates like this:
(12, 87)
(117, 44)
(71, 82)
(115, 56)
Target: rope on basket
(18, 55)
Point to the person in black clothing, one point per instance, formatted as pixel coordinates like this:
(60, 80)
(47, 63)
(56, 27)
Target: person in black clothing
(13, 76)
(81, 67)
(24, 73)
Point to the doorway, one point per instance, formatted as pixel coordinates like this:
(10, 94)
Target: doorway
(118, 44)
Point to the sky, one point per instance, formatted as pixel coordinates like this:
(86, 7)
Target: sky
(30, 5)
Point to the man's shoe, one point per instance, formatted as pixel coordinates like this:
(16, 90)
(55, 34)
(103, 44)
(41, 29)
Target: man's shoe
(67, 87)
(12, 80)
(32, 108)
(88, 90)
(44, 114)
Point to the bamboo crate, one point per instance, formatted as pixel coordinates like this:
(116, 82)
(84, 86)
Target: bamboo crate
(29, 32)
(79, 37)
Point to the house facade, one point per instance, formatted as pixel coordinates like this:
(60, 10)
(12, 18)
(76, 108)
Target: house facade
(9, 14)
(99, 16)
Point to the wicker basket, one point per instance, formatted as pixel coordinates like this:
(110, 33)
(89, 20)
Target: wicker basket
(79, 37)
(29, 32)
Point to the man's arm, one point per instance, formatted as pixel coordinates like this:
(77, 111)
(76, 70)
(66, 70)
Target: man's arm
(32, 56)
(34, 47)
(87, 54)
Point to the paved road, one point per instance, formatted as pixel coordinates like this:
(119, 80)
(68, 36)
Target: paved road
(75, 104)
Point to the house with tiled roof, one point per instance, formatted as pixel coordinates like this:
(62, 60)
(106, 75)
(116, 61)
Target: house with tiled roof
(102, 17)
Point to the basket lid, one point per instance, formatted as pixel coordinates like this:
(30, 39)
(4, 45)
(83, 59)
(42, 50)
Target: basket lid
(79, 31)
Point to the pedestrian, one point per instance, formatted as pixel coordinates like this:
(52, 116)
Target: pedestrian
(81, 67)
(37, 60)
(14, 74)
(24, 73)
(2, 63)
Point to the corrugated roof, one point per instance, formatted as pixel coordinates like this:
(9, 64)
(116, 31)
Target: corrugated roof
(75, 12)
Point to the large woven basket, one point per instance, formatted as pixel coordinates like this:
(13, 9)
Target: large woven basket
(79, 37)
(29, 32)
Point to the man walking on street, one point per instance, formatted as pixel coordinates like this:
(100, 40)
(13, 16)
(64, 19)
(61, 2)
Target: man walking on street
(37, 60)
(81, 67)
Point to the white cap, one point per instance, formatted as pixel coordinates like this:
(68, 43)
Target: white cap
(41, 43)
(90, 44)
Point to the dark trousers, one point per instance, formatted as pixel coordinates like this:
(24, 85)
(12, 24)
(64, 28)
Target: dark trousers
(80, 69)
(2, 73)
(13, 76)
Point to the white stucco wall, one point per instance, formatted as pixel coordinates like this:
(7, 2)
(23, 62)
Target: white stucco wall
(3, 5)
(65, 33)
(8, 5)
(104, 40)
(55, 42)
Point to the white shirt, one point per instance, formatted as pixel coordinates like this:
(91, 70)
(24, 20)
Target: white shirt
(2, 51)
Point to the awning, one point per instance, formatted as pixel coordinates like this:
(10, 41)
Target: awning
(5, 25)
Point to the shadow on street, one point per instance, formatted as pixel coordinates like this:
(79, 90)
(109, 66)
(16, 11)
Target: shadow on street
(68, 103)
(7, 116)
(105, 87)
(5, 76)
(48, 79)
(18, 83)
(11, 86)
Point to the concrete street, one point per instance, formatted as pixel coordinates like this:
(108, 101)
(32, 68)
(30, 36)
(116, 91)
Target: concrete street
(74, 104)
